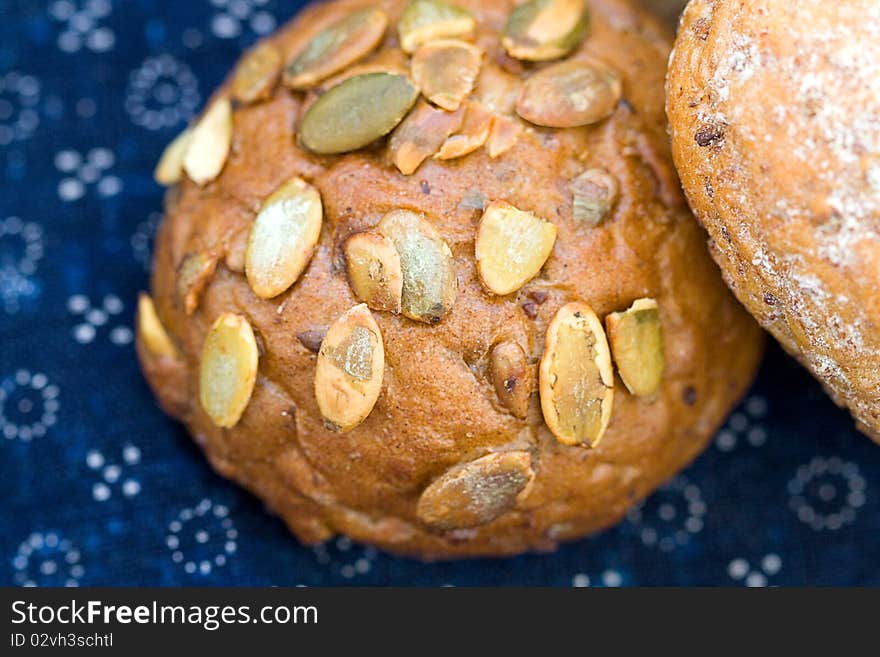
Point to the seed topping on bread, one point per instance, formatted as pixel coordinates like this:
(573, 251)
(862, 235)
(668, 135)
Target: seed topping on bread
(228, 369)
(349, 371)
(570, 94)
(357, 112)
(421, 135)
(435, 236)
(541, 30)
(636, 339)
(374, 271)
(428, 20)
(476, 492)
(440, 98)
(511, 374)
(283, 238)
(153, 334)
(576, 378)
(430, 281)
(336, 47)
(445, 71)
(209, 143)
(594, 194)
(193, 275)
(170, 167)
(511, 247)
(257, 73)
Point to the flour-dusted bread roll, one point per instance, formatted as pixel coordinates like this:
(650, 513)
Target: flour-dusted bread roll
(774, 109)
(427, 278)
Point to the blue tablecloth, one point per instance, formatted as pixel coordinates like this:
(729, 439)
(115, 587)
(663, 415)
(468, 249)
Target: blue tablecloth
(99, 488)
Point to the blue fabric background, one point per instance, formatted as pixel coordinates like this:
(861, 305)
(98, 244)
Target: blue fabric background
(99, 488)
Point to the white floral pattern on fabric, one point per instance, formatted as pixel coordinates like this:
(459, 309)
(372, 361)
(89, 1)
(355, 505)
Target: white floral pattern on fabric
(609, 578)
(114, 475)
(826, 493)
(234, 16)
(162, 93)
(744, 426)
(202, 538)
(741, 571)
(344, 557)
(19, 107)
(142, 240)
(47, 559)
(28, 405)
(82, 25)
(669, 517)
(22, 246)
(93, 318)
(85, 171)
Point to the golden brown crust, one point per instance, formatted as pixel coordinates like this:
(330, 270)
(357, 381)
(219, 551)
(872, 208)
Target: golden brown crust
(438, 409)
(774, 110)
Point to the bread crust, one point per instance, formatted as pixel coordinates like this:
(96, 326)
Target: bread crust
(438, 409)
(773, 109)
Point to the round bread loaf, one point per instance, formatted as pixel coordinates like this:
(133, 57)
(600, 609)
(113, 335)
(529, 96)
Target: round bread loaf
(774, 108)
(410, 245)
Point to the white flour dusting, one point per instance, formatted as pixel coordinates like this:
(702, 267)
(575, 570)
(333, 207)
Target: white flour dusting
(795, 90)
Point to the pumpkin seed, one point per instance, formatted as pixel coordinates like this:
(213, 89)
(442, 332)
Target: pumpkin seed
(476, 493)
(430, 283)
(497, 89)
(576, 378)
(257, 73)
(337, 47)
(636, 338)
(511, 247)
(421, 134)
(503, 136)
(283, 238)
(511, 375)
(384, 61)
(473, 133)
(445, 71)
(570, 94)
(236, 250)
(594, 193)
(152, 334)
(428, 20)
(210, 143)
(350, 367)
(195, 272)
(356, 112)
(541, 30)
(170, 167)
(228, 369)
(374, 271)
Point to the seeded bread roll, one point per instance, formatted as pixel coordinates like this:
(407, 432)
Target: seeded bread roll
(382, 284)
(774, 112)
